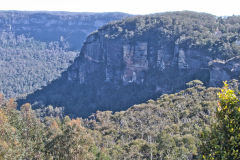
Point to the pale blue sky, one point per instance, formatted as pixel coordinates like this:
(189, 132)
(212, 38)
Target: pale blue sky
(216, 7)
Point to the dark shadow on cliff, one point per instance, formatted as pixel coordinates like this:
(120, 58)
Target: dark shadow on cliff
(83, 100)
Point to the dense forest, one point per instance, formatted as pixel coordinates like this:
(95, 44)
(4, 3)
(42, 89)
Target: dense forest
(27, 65)
(172, 127)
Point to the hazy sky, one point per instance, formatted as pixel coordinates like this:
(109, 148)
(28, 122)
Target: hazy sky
(216, 7)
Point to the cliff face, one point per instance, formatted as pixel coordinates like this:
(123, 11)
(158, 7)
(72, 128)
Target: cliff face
(121, 62)
(68, 27)
(165, 67)
(140, 58)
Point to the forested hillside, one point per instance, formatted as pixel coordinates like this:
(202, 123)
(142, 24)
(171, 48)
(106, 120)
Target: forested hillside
(168, 128)
(27, 65)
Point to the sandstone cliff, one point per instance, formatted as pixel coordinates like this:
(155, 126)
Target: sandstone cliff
(130, 61)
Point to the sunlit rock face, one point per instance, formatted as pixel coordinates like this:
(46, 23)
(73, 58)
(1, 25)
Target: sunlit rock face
(121, 62)
(128, 63)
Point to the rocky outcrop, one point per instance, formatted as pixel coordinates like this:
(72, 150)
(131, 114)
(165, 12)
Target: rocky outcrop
(224, 70)
(67, 27)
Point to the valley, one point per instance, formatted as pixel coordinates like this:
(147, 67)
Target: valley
(115, 86)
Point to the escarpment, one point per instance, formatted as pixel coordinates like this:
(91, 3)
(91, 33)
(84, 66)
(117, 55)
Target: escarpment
(131, 61)
(70, 28)
(155, 63)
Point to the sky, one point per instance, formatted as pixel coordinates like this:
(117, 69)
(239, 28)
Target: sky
(216, 7)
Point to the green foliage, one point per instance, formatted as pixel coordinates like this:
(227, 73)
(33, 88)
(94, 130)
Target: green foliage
(194, 83)
(73, 143)
(27, 65)
(21, 133)
(166, 128)
(223, 140)
(24, 136)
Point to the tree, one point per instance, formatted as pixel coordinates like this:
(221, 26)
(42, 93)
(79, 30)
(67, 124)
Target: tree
(32, 133)
(194, 83)
(1, 99)
(222, 141)
(74, 143)
(10, 147)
